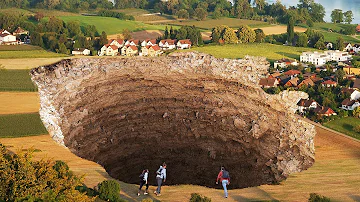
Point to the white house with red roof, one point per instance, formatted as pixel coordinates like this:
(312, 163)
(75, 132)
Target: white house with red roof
(132, 42)
(329, 83)
(6, 38)
(356, 48)
(148, 42)
(117, 42)
(108, 50)
(80, 51)
(184, 44)
(285, 62)
(167, 44)
(151, 51)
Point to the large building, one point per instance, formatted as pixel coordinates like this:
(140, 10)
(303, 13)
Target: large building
(319, 59)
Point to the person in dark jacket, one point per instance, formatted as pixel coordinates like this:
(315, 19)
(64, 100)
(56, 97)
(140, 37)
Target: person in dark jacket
(224, 178)
(144, 181)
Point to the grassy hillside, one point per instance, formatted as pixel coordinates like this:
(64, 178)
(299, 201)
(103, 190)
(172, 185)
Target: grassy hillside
(345, 125)
(331, 36)
(111, 25)
(20, 48)
(20, 125)
(29, 54)
(270, 51)
(16, 80)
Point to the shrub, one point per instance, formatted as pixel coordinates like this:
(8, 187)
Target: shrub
(147, 200)
(357, 128)
(195, 197)
(109, 190)
(318, 198)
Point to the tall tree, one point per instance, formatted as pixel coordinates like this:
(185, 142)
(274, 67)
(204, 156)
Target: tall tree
(103, 39)
(337, 16)
(246, 34)
(290, 30)
(317, 12)
(126, 33)
(260, 35)
(349, 16)
(302, 40)
(229, 36)
(339, 45)
(320, 44)
(166, 33)
(200, 13)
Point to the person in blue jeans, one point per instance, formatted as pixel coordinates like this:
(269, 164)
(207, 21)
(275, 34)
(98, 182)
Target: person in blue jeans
(224, 178)
(160, 178)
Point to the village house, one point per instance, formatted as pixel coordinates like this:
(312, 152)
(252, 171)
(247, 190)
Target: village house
(275, 75)
(80, 51)
(347, 47)
(285, 62)
(349, 104)
(129, 50)
(356, 84)
(338, 56)
(329, 83)
(108, 50)
(324, 111)
(184, 44)
(167, 44)
(151, 50)
(148, 42)
(268, 82)
(351, 70)
(118, 43)
(358, 28)
(329, 45)
(306, 82)
(315, 58)
(353, 93)
(7, 39)
(20, 31)
(132, 42)
(309, 75)
(292, 73)
(356, 48)
(292, 82)
(306, 105)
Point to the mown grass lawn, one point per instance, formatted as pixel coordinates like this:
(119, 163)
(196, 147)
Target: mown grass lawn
(345, 125)
(29, 54)
(111, 25)
(19, 48)
(271, 51)
(332, 37)
(16, 80)
(21, 125)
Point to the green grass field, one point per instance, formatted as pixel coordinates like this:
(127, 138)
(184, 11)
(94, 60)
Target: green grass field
(16, 80)
(20, 125)
(327, 26)
(19, 48)
(331, 36)
(57, 13)
(211, 23)
(111, 25)
(15, 11)
(29, 54)
(345, 125)
(271, 51)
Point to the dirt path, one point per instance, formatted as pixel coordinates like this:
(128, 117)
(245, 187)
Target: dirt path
(335, 174)
(19, 102)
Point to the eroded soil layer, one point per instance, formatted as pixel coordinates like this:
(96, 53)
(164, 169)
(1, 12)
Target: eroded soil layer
(191, 110)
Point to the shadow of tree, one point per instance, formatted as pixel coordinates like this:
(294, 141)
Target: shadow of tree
(289, 55)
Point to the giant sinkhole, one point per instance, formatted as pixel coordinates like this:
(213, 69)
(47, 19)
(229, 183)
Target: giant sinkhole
(190, 110)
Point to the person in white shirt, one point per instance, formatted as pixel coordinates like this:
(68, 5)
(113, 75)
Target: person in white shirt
(144, 181)
(160, 178)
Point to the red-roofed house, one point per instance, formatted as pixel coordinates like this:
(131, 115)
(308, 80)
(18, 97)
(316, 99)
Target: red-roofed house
(167, 44)
(119, 42)
(329, 83)
(349, 104)
(151, 51)
(109, 50)
(324, 111)
(285, 62)
(294, 82)
(306, 82)
(184, 44)
(358, 28)
(132, 42)
(129, 50)
(20, 31)
(268, 82)
(292, 73)
(148, 42)
(305, 104)
(348, 47)
(356, 84)
(7, 39)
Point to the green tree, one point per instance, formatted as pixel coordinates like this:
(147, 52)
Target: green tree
(36, 39)
(340, 73)
(290, 30)
(126, 33)
(260, 4)
(181, 33)
(182, 13)
(302, 40)
(109, 190)
(339, 45)
(103, 39)
(356, 112)
(245, 34)
(320, 44)
(166, 33)
(349, 16)
(357, 128)
(63, 49)
(229, 36)
(73, 28)
(260, 35)
(217, 33)
(216, 14)
(200, 13)
(337, 16)
(317, 12)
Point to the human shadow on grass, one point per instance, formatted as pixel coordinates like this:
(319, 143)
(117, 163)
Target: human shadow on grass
(131, 191)
(260, 193)
(355, 197)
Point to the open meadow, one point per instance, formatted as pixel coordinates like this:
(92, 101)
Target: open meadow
(271, 51)
(19, 125)
(345, 125)
(29, 54)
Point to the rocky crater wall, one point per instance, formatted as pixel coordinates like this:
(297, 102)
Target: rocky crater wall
(191, 110)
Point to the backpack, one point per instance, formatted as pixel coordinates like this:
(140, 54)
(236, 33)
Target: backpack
(141, 176)
(225, 174)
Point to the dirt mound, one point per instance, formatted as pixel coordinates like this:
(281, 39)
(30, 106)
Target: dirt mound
(191, 110)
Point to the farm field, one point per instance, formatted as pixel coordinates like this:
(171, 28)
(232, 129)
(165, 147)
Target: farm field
(111, 25)
(271, 51)
(278, 29)
(16, 80)
(335, 174)
(20, 48)
(19, 102)
(345, 125)
(15, 11)
(28, 63)
(20, 125)
(332, 37)
(57, 13)
(328, 26)
(29, 54)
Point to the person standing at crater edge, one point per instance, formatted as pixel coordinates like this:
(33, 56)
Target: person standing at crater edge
(224, 178)
(144, 181)
(160, 178)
